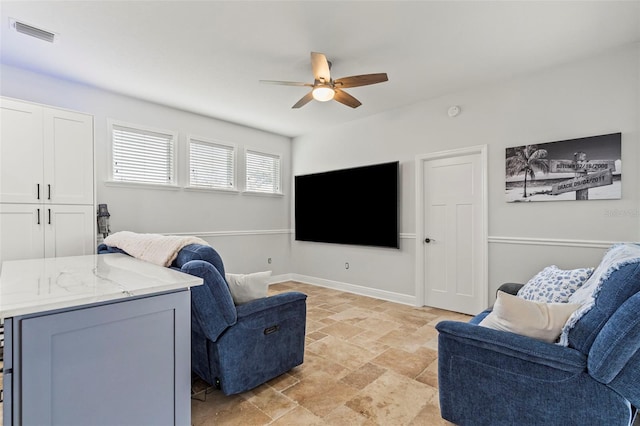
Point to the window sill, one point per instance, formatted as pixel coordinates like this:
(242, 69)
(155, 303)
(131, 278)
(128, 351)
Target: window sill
(263, 194)
(204, 189)
(140, 185)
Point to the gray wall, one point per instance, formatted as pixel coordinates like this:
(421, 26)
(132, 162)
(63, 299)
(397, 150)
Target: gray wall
(594, 96)
(246, 229)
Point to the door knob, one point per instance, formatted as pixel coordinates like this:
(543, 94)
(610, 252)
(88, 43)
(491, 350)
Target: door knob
(427, 240)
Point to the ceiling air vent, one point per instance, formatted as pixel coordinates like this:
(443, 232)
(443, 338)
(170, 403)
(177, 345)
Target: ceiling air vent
(32, 31)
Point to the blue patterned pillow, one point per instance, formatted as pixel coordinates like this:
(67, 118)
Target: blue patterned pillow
(554, 285)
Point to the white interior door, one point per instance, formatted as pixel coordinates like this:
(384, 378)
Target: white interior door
(453, 232)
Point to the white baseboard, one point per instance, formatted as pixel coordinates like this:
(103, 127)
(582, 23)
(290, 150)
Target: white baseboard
(349, 288)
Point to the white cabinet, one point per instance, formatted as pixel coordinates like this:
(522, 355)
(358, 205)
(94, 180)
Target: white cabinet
(30, 231)
(46, 154)
(69, 230)
(46, 181)
(21, 232)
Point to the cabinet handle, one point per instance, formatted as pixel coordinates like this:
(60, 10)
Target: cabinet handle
(38, 216)
(49, 216)
(38, 191)
(49, 191)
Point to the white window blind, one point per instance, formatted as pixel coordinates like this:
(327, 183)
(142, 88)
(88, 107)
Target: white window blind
(143, 156)
(211, 165)
(263, 172)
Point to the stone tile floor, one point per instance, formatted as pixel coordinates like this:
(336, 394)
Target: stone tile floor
(367, 362)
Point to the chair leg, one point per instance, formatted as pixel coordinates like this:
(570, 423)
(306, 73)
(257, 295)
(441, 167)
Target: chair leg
(199, 388)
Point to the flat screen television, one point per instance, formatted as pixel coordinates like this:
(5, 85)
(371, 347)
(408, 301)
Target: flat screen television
(357, 206)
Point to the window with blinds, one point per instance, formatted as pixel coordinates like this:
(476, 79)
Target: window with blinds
(142, 155)
(211, 165)
(262, 172)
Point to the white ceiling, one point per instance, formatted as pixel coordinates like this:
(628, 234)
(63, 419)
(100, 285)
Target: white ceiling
(207, 56)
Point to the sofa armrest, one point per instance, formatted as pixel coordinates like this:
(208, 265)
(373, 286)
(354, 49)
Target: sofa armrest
(511, 288)
(268, 303)
(502, 344)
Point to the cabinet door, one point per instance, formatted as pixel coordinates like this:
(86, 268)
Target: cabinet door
(21, 157)
(124, 363)
(21, 231)
(69, 230)
(68, 157)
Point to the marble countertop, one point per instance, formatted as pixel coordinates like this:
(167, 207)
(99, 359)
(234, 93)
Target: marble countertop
(38, 285)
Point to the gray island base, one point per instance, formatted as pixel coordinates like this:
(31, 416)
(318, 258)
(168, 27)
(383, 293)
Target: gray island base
(96, 340)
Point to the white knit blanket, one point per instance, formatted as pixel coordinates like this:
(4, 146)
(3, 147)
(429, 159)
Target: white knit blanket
(617, 256)
(155, 248)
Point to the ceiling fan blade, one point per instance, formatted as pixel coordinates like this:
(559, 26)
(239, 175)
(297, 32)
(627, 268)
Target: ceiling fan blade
(320, 67)
(304, 100)
(347, 99)
(361, 80)
(286, 83)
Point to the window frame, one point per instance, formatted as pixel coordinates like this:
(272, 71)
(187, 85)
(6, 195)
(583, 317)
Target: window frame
(265, 153)
(112, 124)
(209, 141)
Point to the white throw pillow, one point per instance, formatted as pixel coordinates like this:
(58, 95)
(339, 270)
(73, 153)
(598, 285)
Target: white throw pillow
(247, 287)
(542, 321)
(554, 285)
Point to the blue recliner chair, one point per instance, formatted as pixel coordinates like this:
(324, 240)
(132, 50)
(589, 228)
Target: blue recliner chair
(491, 377)
(237, 348)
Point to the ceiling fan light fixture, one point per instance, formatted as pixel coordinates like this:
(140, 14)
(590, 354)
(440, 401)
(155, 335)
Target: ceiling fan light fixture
(323, 93)
(324, 89)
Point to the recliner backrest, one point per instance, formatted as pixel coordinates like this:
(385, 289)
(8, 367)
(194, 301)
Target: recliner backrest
(212, 307)
(615, 290)
(213, 310)
(614, 358)
(104, 249)
(199, 252)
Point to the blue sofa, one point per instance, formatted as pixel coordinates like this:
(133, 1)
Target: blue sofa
(491, 377)
(237, 348)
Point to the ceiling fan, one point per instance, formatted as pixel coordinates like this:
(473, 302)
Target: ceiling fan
(324, 88)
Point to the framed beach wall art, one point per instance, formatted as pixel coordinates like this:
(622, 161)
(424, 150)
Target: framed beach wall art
(588, 168)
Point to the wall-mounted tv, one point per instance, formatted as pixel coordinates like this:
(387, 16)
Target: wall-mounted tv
(357, 206)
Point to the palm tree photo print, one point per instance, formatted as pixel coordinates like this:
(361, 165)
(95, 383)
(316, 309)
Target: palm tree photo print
(588, 168)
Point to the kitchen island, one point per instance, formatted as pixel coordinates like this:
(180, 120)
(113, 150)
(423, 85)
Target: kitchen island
(97, 339)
